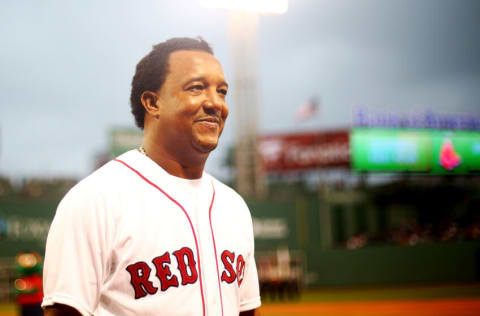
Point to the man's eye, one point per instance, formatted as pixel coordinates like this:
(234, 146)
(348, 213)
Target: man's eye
(223, 91)
(196, 87)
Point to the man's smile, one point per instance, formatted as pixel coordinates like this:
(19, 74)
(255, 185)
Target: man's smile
(210, 121)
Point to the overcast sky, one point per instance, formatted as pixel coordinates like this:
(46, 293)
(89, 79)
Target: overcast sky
(66, 68)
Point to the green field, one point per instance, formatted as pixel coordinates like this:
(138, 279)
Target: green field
(439, 300)
(412, 300)
(7, 309)
(392, 293)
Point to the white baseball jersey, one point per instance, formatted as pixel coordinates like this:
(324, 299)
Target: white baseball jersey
(131, 239)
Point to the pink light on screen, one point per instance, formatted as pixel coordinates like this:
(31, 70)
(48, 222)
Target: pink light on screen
(449, 159)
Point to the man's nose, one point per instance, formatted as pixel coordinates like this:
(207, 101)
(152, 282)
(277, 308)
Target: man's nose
(214, 102)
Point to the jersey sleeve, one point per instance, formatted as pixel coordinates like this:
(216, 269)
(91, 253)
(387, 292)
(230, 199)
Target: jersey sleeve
(249, 289)
(76, 251)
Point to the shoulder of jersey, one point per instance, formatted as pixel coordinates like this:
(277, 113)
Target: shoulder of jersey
(110, 177)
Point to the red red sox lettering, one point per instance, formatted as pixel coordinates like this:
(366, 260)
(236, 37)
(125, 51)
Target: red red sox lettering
(187, 267)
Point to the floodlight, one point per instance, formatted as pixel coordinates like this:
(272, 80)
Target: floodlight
(258, 6)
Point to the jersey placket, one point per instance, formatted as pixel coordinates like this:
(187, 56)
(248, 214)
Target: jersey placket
(207, 252)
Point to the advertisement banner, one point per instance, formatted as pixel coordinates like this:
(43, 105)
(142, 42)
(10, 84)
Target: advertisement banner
(285, 152)
(456, 152)
(415, 150)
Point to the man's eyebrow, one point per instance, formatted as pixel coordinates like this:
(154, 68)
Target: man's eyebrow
(223, 82)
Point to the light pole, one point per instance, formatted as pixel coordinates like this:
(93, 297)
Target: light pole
(243, 25)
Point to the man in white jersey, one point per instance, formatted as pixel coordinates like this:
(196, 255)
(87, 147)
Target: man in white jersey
(151, 233)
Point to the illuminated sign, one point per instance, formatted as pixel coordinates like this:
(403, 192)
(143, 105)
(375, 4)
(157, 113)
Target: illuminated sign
(415, 150)
(304, 150)
(429, 120)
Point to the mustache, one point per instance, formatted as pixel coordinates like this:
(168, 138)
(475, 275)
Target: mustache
(210, 118)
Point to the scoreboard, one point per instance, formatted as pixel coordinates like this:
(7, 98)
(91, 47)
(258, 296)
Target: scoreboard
(428, 151)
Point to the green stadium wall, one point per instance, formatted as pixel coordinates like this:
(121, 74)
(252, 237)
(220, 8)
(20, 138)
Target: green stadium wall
(24, 225)
(453, 261)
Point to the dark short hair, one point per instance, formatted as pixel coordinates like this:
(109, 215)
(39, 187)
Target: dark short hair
(152, 70)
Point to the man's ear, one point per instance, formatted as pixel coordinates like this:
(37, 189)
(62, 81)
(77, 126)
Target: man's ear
(149, 102)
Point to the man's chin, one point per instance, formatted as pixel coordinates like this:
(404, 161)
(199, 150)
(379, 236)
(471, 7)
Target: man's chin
(205, 147)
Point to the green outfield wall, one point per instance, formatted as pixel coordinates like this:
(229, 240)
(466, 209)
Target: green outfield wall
(328, 264)
(24, 223)
(296, 223)
(441, 262)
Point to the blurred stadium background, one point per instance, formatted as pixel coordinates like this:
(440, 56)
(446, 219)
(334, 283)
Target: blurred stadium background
(328, 228)
(371, 210)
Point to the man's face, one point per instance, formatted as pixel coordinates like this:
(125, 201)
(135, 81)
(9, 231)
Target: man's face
(192, 103)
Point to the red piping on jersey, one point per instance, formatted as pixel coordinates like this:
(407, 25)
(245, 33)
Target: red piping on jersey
(186, 214)
(215, 247)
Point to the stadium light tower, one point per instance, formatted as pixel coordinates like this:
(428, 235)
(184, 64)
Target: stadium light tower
(255, 6)
(243, 25)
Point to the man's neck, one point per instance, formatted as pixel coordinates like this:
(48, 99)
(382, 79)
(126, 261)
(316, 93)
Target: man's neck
(182, 168)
